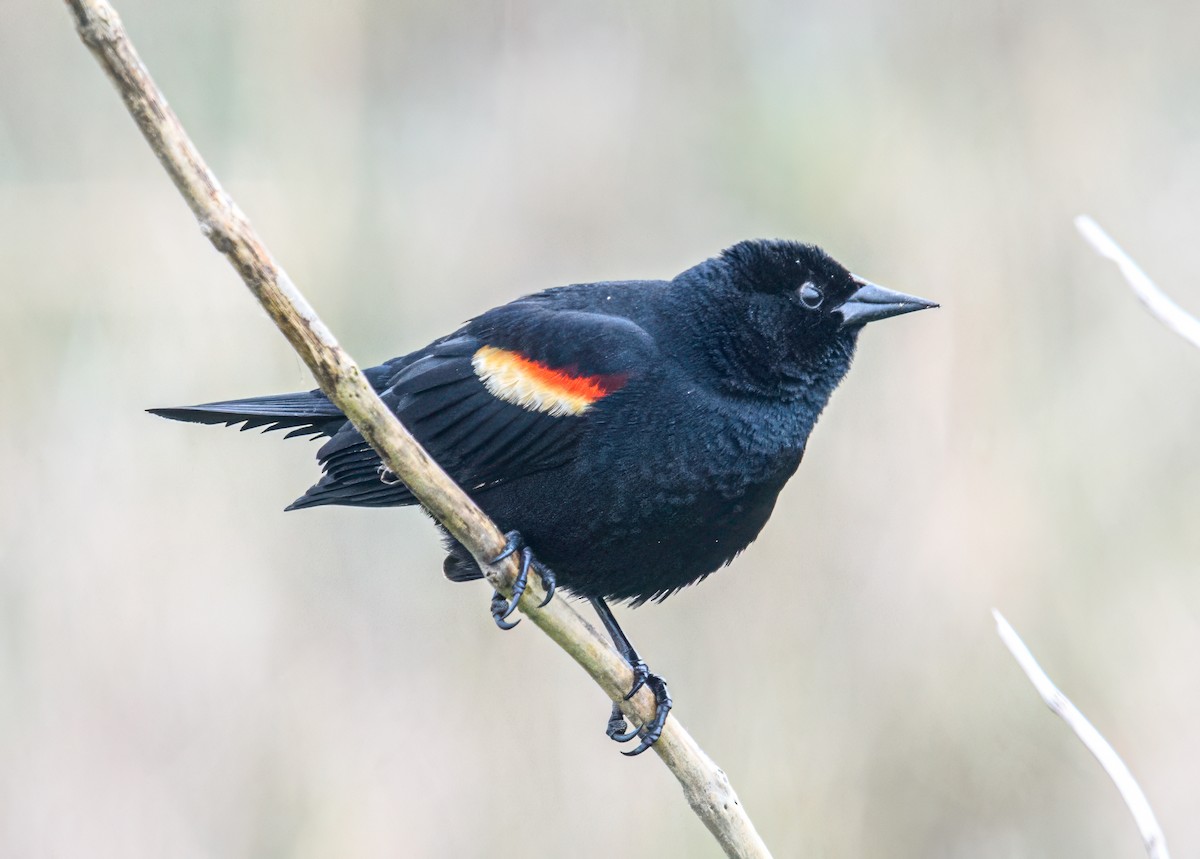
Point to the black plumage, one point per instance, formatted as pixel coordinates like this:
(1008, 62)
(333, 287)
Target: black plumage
(635, 433)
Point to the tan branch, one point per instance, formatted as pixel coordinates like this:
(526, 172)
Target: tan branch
(1158, 302)
(1060, 704)
(706, 787)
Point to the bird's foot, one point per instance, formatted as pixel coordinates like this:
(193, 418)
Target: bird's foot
(501, 607)
(617, 729)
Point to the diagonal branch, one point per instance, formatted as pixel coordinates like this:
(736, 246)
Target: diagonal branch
(706, 787)
(1157, 302)
(1139, 806)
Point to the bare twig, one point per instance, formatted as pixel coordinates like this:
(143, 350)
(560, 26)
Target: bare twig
(1152, 834)
(706, 787)
(1159, 304)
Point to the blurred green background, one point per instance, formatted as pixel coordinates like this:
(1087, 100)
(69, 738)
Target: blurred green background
(185, 671)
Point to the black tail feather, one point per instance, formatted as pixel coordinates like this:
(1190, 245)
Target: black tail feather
(307, 413)
(459, 566)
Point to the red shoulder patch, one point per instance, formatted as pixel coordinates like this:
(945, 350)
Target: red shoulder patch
(512, 377)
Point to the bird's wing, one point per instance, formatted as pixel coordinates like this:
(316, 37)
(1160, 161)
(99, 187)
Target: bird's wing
(509, 394)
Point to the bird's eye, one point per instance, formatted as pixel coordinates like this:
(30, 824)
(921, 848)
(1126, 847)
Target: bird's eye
(810, 296)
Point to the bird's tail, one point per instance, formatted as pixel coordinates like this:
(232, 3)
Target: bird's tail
(306, 413)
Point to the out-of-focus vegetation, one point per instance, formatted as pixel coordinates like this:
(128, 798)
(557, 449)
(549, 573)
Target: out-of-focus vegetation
(186, 671)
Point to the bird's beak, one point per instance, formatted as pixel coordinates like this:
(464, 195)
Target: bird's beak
(873, 302)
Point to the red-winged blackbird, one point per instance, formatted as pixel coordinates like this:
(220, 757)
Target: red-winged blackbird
(636, 433)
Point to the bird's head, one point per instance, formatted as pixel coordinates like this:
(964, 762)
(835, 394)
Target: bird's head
(793, 311)
(811, 289)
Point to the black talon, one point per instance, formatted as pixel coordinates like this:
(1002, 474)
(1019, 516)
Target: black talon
(499, 611)
(549, 581)
(502, 608)
(617, 727)
(512, 542)
(505, 608)
(521, 581)
(642, 676)
(653, 729)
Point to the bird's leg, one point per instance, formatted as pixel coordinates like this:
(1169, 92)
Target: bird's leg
(642, 676)
(502, 608)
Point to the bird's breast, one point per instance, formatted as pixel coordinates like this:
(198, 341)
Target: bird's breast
(696, 449)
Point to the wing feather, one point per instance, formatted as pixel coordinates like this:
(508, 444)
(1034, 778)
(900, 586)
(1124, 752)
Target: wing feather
(482, 433)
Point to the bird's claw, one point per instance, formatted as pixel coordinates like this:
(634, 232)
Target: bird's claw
(548, 581)
(501, 607)
(513, 541)
(617, 726)
(652, 730)
(640, 675)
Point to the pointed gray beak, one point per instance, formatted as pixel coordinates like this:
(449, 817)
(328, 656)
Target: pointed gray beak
(872, 302)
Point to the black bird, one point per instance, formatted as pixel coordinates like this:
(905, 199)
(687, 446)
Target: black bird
(635, 433)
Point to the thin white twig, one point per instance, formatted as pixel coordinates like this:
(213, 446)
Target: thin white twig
(1157, 301)
(1152, 834)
